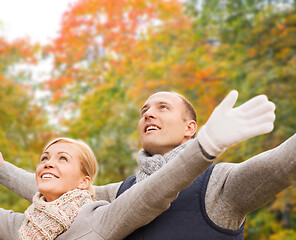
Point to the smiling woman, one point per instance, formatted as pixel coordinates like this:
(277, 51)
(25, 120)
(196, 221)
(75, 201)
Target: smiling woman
(65, 165)
(64, 175)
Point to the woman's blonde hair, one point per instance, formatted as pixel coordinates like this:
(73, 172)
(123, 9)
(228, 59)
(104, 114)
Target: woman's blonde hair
(88, 166)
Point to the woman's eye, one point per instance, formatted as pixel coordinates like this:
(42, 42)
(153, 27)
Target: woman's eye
(163, 107)
(44, 159)
(64, 159)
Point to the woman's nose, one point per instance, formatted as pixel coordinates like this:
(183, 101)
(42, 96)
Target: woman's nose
(49, 163)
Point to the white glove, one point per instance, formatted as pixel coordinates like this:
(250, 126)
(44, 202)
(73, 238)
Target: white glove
(228, 126)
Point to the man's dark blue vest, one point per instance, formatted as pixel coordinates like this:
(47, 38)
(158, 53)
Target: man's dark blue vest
(186, 219)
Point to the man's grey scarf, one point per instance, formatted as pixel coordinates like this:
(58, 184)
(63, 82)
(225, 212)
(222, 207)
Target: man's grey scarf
(149, 164)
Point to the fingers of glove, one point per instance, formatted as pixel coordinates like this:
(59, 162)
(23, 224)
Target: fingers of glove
(229, 101)
(252, 103)
(259, 129)
(262, 119)
(259, 110)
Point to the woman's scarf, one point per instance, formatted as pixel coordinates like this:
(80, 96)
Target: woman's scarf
(46, 220)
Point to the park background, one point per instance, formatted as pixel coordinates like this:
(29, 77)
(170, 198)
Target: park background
(110, 55)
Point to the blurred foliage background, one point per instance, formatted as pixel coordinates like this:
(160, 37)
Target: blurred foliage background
(111, 55)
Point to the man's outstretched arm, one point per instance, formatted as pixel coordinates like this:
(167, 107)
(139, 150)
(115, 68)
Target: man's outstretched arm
(228, 126)
(235, 190)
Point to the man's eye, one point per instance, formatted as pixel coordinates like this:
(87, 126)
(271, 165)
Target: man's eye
(143, 111)
(163, 107)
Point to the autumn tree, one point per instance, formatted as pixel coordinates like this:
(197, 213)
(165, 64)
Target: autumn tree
(94, 34)
(23, 130)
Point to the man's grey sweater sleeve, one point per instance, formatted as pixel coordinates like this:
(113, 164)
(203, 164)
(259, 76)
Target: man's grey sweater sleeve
(235, 190)
(18, 180)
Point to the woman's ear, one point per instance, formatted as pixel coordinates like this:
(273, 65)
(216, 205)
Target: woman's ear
(190, 129)
(85, 183)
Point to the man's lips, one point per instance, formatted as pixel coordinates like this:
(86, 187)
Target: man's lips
(151, 127)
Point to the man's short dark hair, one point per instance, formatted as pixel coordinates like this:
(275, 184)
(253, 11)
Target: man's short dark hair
(190, 113)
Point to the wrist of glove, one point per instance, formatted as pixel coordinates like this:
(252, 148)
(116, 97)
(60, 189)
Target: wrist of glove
(228, 126)
(208, 144)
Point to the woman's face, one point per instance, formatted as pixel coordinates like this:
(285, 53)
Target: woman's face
(59, 171)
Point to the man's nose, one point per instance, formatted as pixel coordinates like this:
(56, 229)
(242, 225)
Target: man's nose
(150, 113)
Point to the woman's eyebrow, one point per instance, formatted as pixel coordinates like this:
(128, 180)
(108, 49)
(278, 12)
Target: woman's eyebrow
(65, 153)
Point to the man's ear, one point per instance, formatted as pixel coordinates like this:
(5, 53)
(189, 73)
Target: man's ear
(84, 183)
(190, 129)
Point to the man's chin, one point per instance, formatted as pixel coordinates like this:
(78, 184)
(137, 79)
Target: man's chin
(150, 147)
(153, 148)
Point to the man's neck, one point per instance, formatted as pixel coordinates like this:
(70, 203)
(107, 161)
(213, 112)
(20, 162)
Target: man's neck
(165, 150)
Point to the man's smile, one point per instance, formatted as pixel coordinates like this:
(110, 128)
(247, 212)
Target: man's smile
(151, 127)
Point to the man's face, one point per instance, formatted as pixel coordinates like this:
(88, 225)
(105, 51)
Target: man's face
(162, 126)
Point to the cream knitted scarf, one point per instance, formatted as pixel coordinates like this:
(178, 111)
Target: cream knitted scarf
(149, 164)
(46, 220)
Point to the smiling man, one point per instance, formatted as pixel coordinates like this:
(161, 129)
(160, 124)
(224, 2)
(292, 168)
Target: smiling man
(165, 123)
(215, 205)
